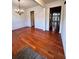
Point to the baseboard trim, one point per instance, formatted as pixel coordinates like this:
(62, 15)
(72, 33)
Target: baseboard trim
(20, 28)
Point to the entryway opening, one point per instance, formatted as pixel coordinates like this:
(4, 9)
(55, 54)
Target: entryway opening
(54, 19)
(32, 19)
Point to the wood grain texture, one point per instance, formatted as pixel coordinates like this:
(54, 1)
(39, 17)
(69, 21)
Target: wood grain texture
(48, 44)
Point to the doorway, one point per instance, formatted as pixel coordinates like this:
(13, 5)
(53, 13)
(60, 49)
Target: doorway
(54, 19)
(32, 19)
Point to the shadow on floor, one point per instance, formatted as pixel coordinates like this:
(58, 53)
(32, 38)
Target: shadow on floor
(28, 53)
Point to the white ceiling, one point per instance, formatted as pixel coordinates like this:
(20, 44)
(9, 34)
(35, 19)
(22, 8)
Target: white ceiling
(28, 3)
(24, 3)
(49, 1)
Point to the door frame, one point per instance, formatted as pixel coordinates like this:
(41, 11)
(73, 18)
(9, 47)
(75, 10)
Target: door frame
(60, 17)
(32, 20)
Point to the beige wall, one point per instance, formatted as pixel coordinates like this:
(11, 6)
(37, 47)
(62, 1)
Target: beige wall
(63, 29)
(17, 20)
(39, 13)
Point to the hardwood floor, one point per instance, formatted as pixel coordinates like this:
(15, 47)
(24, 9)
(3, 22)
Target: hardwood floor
(45, 43)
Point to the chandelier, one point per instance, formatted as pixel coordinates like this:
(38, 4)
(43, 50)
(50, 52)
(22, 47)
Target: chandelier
(19, 10)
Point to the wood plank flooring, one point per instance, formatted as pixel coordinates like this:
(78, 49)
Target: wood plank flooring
(45, 43)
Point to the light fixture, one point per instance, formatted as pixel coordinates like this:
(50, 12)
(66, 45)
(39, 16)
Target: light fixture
(19, 10)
